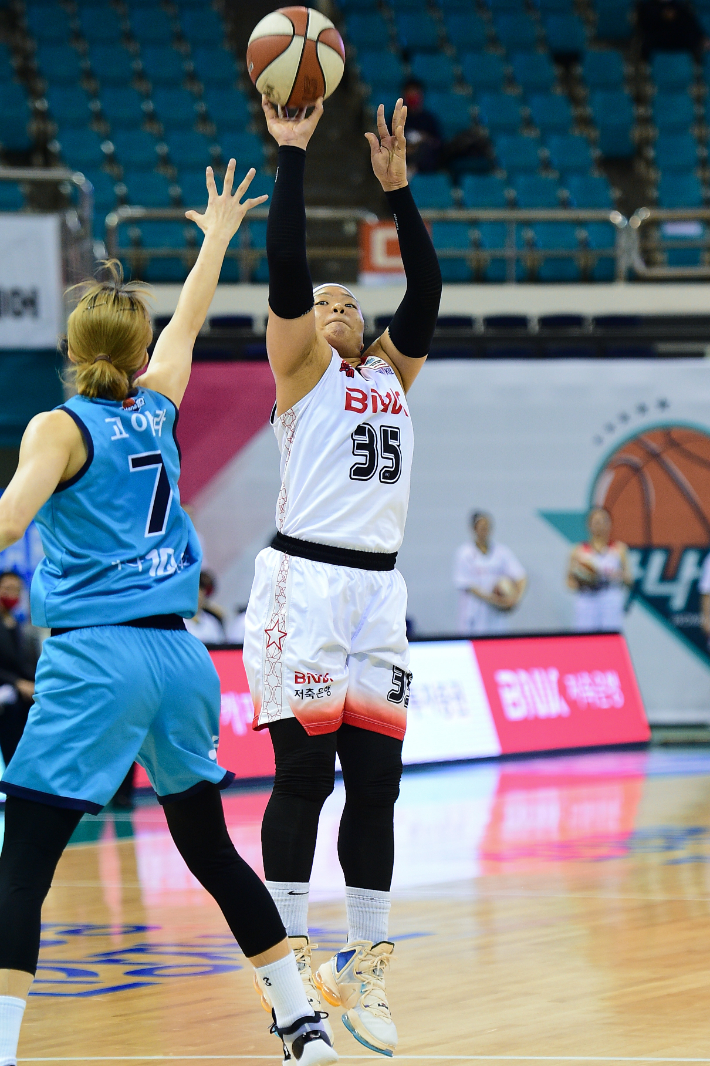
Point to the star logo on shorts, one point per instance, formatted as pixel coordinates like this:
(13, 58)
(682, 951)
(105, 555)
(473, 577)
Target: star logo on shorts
(275, 635)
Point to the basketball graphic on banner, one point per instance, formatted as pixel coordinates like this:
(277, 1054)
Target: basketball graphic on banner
(294, 56)
(657, 488)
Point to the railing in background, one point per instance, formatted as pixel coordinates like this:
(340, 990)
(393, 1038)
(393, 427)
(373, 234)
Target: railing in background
(659, 232)
(247, 254)
(77, 222)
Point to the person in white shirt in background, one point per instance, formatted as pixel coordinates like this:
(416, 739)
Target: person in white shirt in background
(490, 580)
(599, 573)
(207, 625)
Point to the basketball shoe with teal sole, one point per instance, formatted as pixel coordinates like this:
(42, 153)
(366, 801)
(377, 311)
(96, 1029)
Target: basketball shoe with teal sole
(355, 979)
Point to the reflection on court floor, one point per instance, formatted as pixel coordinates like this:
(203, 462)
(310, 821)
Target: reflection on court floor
(566, 899)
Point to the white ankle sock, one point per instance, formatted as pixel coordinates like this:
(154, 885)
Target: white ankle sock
(368, 913)
(286, 992)
(291, 899)
(11, 1012)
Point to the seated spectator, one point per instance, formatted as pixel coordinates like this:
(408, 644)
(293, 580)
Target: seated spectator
(599, 573)
(19, 652)
(235, 628)
(469, 152)
(424, 138)
(490, 580)
(669, 26)
(208, 624)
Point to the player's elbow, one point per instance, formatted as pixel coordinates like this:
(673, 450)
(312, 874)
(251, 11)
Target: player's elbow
(10, 532)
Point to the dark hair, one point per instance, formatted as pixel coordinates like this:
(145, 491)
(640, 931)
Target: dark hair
(477, 515)
(599, 507)
(12, 573)
(208, 582)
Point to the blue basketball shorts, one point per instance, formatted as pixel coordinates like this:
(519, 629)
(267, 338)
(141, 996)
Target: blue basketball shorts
(108, 695)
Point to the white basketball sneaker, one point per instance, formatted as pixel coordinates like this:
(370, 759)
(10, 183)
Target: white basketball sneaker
(355, 979)
(302, 949)
(306, 1042)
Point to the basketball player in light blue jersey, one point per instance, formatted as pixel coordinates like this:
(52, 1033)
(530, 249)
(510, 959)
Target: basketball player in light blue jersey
(120, 678)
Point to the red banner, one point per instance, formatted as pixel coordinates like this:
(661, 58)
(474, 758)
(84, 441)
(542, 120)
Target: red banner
(561, 692)
(476, 699)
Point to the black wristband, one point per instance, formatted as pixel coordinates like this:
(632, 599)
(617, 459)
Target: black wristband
(414, 321)
(290, 285)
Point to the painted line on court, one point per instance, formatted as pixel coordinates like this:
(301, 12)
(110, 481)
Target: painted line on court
(418, 1058)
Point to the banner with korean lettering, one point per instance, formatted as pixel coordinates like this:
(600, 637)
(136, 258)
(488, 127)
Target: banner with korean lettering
(477, 699)
(31, 307)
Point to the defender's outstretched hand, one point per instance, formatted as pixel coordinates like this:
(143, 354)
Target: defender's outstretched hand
(388, 151)
(224, 213)
(296, 131)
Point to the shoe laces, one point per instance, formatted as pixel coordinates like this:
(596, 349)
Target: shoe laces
(371, 969)
(303, 956)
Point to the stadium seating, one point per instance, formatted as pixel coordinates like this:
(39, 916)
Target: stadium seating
(500, 113)
(601, 236)
(104, 192)
(81, 148)
(175, 108)
(417, 32)
(135, 148)
(603, 70)
(557, 235)
(189, 149)
(121, 106)
(676, 151)
(214, 66)
(516, 152)
(466, 32)
(483, 71)
(570, 153)
(202, 26)
(11, 196)
(147, 188)
(431, 190)
(246, 148)
(483, 191)
(680, 190)
(452, 110)
(367, 30)
(148, 24)
(589, 191)
(516, 33)
(551, 112)
(68, 104)
(454, 235)
(100, 24)
(534, 190)
(111, 65)
(49, 23)
(566, 35)
(60, 64)
(673, 112)
(162, 65)
(614, 20)
(435, 71)
(227, 107)
(533, 71)
(381, 68)
(672, 72)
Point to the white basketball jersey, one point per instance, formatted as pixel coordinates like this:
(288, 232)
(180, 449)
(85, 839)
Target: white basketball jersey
(346, 458)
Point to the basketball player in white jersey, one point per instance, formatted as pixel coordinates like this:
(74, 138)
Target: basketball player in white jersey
(600, 575)
(481, 570)
(325, 644)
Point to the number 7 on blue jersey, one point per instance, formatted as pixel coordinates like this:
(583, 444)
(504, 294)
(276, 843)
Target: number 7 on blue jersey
(162, 492)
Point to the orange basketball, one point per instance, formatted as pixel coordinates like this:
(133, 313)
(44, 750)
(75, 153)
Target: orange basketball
(657, 489)
(295, 55)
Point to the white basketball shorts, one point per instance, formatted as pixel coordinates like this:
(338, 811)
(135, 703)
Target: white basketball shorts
(327, 644)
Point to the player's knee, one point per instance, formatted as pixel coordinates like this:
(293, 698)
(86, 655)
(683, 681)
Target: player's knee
(378, 789)
(311, 779)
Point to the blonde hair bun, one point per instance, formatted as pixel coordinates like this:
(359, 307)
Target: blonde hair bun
(108, 334)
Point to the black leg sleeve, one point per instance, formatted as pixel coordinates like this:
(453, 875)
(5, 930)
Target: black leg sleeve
(290, 285)
(305, 777)
(414, 321)
(198, 828)
(372, 769)
(35, 837)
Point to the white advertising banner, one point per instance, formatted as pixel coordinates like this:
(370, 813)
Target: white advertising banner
(31, 309)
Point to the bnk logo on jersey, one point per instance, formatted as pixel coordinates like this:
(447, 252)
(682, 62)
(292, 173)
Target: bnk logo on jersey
(656, 485)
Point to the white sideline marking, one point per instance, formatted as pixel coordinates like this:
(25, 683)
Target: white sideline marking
(418, 1058)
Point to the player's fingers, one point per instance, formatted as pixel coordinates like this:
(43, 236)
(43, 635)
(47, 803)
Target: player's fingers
(280, 112)
(372, 141)
(255, 202)
(400, 138)
(267, 107)
(245, 183)
(196, 217)
(317, 111)
(382, 130)
(211, 187)
(229, 177)
(301, 114)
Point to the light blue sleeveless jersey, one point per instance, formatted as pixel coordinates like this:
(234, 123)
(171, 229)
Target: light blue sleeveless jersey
(118, 544)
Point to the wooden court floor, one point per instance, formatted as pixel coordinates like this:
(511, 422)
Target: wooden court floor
(545, 909)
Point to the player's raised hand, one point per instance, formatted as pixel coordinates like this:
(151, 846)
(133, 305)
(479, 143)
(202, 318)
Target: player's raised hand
(388, 151)
(296, 131)
(224, 213)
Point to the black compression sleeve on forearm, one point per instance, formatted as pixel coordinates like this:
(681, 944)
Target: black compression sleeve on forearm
(290, 285)
(413, 324)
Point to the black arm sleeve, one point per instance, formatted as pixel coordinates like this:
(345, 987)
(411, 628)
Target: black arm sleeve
(413, 324)
(290, 285)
